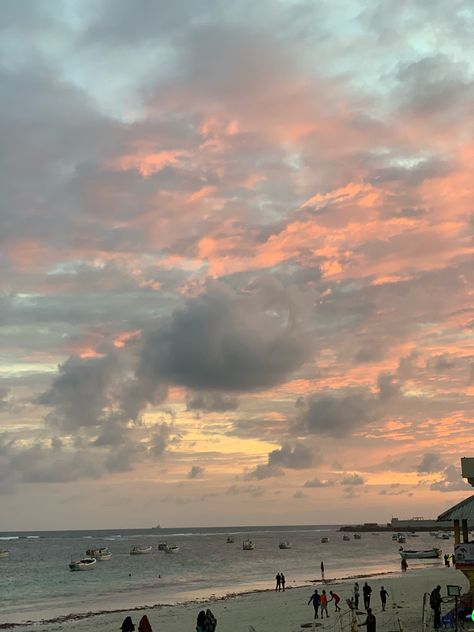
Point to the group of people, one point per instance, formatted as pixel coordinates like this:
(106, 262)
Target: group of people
(129, 626)
(320, 603)
(447, 558)
(206, 622)
(280, 582)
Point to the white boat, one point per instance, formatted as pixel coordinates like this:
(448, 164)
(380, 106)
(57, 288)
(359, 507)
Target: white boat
(401, 539)
(442, 536)
(425, 554)
(140, 550)
(324, 540)
(162, 546)
(284, 544)
(4, 553)
(395, 536)
(84, 564)
(248, 545)
(101, 554)
(357, 536)
(172, 548)
(230, 539)
(345, 537)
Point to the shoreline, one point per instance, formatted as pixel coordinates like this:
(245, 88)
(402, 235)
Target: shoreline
(211, 598)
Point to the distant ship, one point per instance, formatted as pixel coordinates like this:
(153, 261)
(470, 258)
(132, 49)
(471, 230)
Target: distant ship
(157, 527)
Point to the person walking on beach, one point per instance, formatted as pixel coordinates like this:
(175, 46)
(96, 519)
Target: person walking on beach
(435, 603)
(278, 582)
(356, 592)
(404, 565)
(336, 600)
(322, 571)
(315, 599)
(144, 625)
(383, 597)
(324, 605)
(366, 591)
(446, 560)
(282, 580)
(128, 625)
(453, 560)
(370, 622)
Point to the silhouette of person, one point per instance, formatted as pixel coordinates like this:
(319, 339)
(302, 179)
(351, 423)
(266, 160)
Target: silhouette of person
(383, 597)
(336, 599)
(322, 571)
(366, 591)
(370, 622)
(356, 592)
(282, 580)
(315, 599)
(324, 605)
(435, 603)
(127, 625)
(278, 582)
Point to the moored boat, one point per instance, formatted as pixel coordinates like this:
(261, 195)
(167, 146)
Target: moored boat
(248, 545)
(4, 553)
(433, 553)
(172, 548)
(230, 539)
(101, 554)
(284, 544)
(324, 540)
(140, 550)
(345, 537)
(357, 536)
(401, 539)
(162, 546)
(83, 564)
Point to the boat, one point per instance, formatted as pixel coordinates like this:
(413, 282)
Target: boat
(101, 554)
(395, 536)
(433, 553)
(4, 553)
(324, 540)
(83, 564)
(442, 536)
(413, 535)
(357, 536)
(345, 537)
(162, 546)
(230, 539)
(140, 550)
(172, 548)
(248, 545)
(284, 544)
(401, 539)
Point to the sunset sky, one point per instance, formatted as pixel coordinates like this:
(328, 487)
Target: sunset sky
(236, 261)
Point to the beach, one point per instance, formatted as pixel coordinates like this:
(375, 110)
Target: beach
(269, 611)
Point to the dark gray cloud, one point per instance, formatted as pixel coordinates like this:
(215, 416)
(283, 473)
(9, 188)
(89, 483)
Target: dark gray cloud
(317, 482)
(431, 462)
(352, 479)
(296, 457)
(211, 402)
(451, 481)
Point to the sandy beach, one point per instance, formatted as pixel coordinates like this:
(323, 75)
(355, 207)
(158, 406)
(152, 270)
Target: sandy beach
(268, 611)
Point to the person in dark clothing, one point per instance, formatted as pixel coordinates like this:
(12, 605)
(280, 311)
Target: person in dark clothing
(435, 603)
(453, 560)
(383, 597)
(127, 625)
(322, 571)
(366, 591)
(210, 622)
(356, 595)
(446, 560)
(404, 565)
(201, 618)
(315, 600)
(278, 582)
(282, 580)
(370, 622)
(144, 625)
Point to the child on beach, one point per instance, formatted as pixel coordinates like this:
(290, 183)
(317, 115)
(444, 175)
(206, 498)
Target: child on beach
(324, 604)
(336, 600)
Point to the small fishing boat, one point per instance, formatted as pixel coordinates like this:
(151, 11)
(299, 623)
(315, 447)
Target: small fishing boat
(357, 536)
(140, 550)
(83, 564)
(101, 554)
(162, 546)
(401, 539)
(345, 537)
(248, 545)
(425, 554)
(324, 540)
(395, 537)
(4, 553)
(413, 535)
(172, 548)
(284, 544)
(230, 539)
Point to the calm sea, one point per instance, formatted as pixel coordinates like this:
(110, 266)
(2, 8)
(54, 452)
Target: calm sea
(36, 583)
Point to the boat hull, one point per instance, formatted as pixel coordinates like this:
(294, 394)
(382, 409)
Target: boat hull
(431, 554)
(140, 551)
(83, 565)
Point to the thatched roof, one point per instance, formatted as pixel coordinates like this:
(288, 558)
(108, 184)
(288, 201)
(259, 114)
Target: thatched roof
(462, 511)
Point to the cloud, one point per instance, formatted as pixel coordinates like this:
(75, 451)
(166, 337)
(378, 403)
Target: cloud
(452, 481)
(431, 462)
(317, 482)
(211, 402)
(297, 457)
(196, 471)
(352, 479)
(4, 403)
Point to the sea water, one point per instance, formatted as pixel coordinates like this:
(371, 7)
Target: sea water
(36, 583)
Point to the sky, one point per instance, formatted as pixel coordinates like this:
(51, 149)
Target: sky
(236, 261)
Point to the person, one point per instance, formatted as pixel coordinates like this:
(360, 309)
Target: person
(127, 625)
(144, 625)
(282, 580)
(336, 600)
(322, 571)
(315, 599)
(366, 591)
(356, 595)
(446, 560)
(324, 605)
(278, 582)
(210, 622)
(404, 565)
(383, 597)
(201, 618)
(453, 560)
(370, 622)
(435, 603)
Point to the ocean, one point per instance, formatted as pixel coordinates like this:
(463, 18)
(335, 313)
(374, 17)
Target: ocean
(36, 583)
